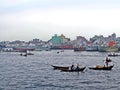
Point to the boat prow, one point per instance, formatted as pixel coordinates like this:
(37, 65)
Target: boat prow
(60, 67)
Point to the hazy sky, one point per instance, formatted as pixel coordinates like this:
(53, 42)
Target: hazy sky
(29, 19)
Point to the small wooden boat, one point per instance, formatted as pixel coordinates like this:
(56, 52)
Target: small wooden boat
(113, 55)
(30, 54)
(23, 54)
(75, 70)
(60, 67)
(58, 52)
(102, 67)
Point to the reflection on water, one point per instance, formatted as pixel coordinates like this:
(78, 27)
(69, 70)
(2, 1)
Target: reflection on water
(35, 72)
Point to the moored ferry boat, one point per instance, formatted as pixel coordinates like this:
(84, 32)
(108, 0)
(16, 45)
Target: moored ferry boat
(102, 48)
(66, 47)
(62, 47)
(24, 48)
(108, 49)
(111, 49)
(92, 48)
(81, 48)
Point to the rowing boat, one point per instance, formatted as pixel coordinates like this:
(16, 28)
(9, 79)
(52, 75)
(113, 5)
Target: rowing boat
(60, 67)
(102, 68)
(114, 55)
(75, 70)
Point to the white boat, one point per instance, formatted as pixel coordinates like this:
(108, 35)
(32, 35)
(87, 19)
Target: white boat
(111, 49)
(108, 49)
(92, 48)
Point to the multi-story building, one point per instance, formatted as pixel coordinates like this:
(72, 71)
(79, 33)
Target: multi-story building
(61, 42)
(56, 40)
(82, 41)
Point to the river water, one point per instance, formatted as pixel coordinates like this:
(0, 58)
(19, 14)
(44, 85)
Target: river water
(35, 72)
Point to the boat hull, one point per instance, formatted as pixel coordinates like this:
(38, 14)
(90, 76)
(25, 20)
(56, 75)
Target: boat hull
(80, 49)
(113, 55)
(102, 68)
(76, 70)
(92, 48)
(60, 67)
(108, 49)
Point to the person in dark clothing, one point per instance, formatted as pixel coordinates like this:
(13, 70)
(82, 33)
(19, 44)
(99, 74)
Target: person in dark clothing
(107, 61)
(77, 68)
(72, 67)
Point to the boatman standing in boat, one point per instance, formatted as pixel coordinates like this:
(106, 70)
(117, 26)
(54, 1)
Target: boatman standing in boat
(107, 61)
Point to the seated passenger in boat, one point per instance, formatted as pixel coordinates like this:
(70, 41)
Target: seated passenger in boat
(77, 68)
(72, 67)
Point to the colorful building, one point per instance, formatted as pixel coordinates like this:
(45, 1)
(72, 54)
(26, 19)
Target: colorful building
(56, 39)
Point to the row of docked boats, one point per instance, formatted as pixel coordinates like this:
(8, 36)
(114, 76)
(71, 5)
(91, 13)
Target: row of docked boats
(26, 53)
(80, 69)
(108, 49)
(101, 48)
(113, 54)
